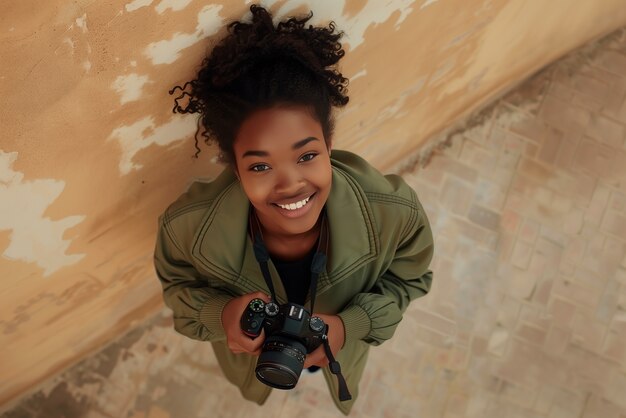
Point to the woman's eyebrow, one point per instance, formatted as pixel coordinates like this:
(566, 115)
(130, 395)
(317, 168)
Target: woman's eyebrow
(294, 147)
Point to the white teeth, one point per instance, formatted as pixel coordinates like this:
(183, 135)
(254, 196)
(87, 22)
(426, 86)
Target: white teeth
(296, 205)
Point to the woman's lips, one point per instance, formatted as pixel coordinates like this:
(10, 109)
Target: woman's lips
(296, 213)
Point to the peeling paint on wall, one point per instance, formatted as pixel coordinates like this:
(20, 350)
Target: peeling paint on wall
(392, 111)
(442, 70)
(69, 43)
(33, 238)
(129, 86)
(81, 22)
(175, 5)
(428, 3)
(475, 82)
(359, 74)
(474, 29)
(133, 139)
(137, 4)
(168, 51)
(373, 13)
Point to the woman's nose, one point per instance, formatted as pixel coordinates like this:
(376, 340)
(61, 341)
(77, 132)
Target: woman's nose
(289, 181)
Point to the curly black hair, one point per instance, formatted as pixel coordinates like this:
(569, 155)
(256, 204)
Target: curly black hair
(258, 65)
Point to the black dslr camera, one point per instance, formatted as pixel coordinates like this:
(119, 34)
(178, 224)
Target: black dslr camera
(290, 334)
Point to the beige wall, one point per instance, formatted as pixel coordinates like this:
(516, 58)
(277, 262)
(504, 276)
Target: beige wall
(90, 152)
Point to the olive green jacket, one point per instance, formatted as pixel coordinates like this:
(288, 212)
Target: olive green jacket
(381, 246)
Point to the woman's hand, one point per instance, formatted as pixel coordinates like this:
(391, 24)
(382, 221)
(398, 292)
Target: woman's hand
(336, 338)
(237, 341)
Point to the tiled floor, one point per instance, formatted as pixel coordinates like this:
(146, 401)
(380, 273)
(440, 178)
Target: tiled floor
(527, 315)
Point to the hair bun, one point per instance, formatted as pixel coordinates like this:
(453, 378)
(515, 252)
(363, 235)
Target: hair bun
(258, 64)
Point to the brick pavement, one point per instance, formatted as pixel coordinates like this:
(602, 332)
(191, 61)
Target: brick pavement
(527, 314)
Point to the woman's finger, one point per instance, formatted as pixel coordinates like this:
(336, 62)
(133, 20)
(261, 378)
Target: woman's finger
(235, 347)
(247, 344)
(311, 359)
(257, 343)
(317, 358)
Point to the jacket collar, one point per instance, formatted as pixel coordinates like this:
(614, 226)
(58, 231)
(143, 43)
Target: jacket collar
(223, 247)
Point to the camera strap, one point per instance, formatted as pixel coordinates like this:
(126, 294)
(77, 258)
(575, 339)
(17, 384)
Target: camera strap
(335, 368)
(318, 265)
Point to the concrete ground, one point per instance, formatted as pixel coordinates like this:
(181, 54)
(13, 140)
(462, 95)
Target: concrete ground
(527, 314)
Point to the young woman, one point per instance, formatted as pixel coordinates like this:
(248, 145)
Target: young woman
(265, 94)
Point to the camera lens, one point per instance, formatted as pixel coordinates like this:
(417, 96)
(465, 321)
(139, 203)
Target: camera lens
(280, 362)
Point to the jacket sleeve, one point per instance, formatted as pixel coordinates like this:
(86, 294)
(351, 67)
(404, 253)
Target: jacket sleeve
(197, 307)
(374, 316)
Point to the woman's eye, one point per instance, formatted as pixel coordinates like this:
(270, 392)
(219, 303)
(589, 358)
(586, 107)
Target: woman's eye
(311, 154)
(304, 157)
(257, 166)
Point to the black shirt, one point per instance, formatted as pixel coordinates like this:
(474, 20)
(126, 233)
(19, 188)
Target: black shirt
(296, 276)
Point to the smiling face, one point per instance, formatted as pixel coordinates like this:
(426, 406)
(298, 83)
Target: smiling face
(282, 158)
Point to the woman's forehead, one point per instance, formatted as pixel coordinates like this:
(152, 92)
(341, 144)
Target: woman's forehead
(277, 127)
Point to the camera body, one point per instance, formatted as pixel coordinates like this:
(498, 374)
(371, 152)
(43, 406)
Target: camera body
(290, 334)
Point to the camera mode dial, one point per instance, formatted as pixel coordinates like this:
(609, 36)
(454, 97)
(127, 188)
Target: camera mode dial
(316, 323)
(252, 320)
(256, 305)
